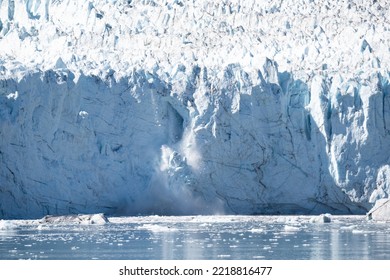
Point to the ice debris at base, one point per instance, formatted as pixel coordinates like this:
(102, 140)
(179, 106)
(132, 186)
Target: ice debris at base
(193, 107)
(93, 219)
(7, 225)
(380, 211)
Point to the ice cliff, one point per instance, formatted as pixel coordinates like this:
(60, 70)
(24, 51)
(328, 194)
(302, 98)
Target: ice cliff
(193, 107)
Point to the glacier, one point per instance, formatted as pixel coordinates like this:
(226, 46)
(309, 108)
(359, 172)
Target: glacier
(174, 107)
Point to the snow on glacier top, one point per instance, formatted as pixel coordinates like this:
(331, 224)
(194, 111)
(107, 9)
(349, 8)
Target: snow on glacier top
(310, 36)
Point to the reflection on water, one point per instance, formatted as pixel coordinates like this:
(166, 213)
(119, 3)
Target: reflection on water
(199, 237)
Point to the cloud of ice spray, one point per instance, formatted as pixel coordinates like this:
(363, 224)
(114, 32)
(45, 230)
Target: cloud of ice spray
(190, 151)
(174, 188)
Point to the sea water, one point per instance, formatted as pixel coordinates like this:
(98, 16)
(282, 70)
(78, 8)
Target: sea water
(198, 237)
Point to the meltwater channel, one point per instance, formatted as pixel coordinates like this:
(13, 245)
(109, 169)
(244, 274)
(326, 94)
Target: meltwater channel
(198, 237)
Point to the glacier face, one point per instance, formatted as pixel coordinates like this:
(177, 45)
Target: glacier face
(172, 107)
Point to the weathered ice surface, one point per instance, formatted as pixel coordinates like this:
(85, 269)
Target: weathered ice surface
(193, 107)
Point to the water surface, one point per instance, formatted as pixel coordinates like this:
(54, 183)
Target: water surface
(198, 237)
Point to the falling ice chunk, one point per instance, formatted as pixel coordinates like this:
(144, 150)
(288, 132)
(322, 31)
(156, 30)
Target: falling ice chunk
(83, 114)
(13, 96)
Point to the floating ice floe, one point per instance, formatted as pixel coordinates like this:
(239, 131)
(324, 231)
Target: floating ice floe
(94, 219)
(288, 228)
(257, 230)
(157, 228)
(350, 227)
(380, 211)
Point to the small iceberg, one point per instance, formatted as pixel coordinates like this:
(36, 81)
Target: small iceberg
(323, 218)
(380, 211)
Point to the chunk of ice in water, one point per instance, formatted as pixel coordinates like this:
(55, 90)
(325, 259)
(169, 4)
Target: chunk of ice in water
(323, 218)
(288, 228)
(156, 228)
(256, 230)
